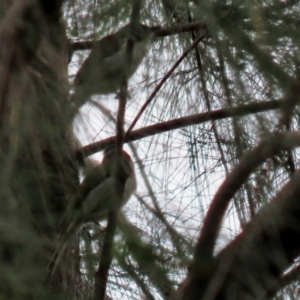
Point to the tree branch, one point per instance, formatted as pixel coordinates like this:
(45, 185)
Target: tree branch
(164, 79)
(237, 177)
(159, 32)
(204, 249)
(177, 123)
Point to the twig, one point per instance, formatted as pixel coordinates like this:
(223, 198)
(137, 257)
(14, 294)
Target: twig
(242, 110)
(162, 32)
(164, 79)
(237, 177)
(101, 275)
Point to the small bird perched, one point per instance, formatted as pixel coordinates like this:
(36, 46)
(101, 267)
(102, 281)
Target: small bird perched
(97, 193)
(105, 67)
(107, 187)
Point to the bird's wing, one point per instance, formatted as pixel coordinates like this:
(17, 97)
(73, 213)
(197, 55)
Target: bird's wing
(95, 177)
(100, 200)
(107, 196)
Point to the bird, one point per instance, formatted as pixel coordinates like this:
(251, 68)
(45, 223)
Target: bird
(107, 187)
(104, 69)
(97, 194)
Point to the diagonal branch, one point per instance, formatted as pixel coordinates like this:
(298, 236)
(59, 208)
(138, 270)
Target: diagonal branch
(159, 32)
(212, 223)
(253, 263)
(177, 123)
(164, 79)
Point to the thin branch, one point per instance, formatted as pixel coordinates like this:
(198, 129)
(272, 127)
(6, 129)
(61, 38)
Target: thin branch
(254, 261)
(238, 176)
(101, 275)
(164, 79)
(269, 244)
(177, 123)
(158, 32)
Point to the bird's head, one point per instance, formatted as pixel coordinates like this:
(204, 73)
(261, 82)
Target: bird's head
(122, 165)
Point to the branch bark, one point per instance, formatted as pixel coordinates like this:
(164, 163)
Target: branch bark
(177, 123)
(254, 261)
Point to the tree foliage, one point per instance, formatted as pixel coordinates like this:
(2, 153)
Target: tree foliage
(213, 124)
